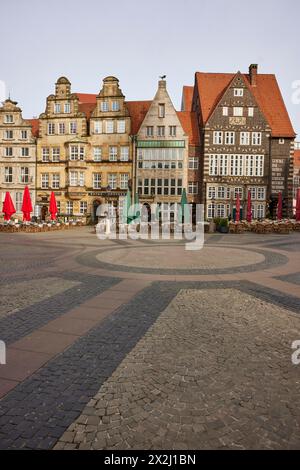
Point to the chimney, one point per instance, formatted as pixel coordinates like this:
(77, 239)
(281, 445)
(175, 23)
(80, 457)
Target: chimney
(253, 74)
(162, 84)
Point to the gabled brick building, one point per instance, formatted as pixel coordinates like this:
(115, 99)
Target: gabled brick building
(246, 139)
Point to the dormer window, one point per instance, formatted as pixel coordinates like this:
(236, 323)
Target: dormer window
(238, 92)
(104, 106)
(161, 110)
(57, 108)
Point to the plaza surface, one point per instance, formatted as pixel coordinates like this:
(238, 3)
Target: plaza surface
(121, 344)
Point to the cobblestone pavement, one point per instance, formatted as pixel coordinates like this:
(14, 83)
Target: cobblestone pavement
(138, 344)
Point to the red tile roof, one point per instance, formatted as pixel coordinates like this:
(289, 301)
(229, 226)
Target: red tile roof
(86, 97)
(187, 98)
(297, 159)
(189, 123)
(34, 126)
(137, 111)
(211, 87)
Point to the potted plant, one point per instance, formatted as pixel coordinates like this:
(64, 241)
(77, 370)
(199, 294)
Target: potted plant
(223, 226)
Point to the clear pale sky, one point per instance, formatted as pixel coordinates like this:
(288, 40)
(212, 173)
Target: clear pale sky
(138, 40)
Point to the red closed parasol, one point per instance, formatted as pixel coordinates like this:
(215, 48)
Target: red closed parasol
(238, 208)
(249, 208)
(26, 205)
(53, 206)
(8, 207)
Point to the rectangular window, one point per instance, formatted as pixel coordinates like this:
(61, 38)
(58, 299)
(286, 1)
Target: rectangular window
(112, 180)
(19, 200)
(238, 191)
(97, 180)
(229, 138)
(45, 154)
(55, 181)
(104, 106)
(244, 138)
(25, 151)
(98, 127)
(172, 131)
(9, 118)
(55, 154)
(83, 207)
(24, 174)
(120, 126)
(161, 110)
(261, 193)
(9, 135)
(8, 151)
(213, 165)
(45, 180)
(237, 111)
(67, 108)
(260, 212)
(161, 131)
(73, 127)
(238, 92)
(221, 192)
(97, 154)
(8, 174)
(24, 135)
(256, 138)
(69, 208)
(61, 128)
(115, 106)
(250, 112)
(109, 127)
(57, 108)
(124, 154)
(218, 137)
(149, 131)
(223, 167)
(124, 180)
(51, 128)
(193, 187)
(73, 178)
(193, 163)
(221, 211)
(113, 154)
(225, 111)
(77, 152)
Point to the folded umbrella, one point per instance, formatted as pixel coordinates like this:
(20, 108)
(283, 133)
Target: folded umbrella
(26, 205)
(8, 207)
(53, 206)
(238, 208)
(249, 208)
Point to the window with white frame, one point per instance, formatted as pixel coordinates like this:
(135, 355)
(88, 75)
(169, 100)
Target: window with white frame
(252, 192)
(256, 138)
(69, 208)
(250, 165)
(67, 108)
(109, 126)
(98, 127)
(19, 201)
(8, 151)
(24, 174)
(237, 111)
(24, 135)
(112, 180)
(76, 178)
(9, 118)
(211, 192)
(45, 180)
(61, 128)
(218, 137)
(244, 138)
(221, 192)
(83, 207)
(57, 108)
(25, 151)
(115, 106)
(55, 154)
(193, 187)
(51, 128)
(124, 180)
(55, 181)
(77, 152)
(229, 138)
(172, 131)
(120, 126)
(225, 110)
(8, 174)
(124, 157)
(161, 131)
(104, 106)
(45, 154)
(193, 163)
(113, 154)
(237, 191)
(260, 211)
(261, 193)
(250, 112)
(97, 154)
(97, 180)
(213, 165)
(149, 131)
(161, 110)
(9, 135)
(211, 211)
(223, 167)
(73, 127)
(238, 92)
(221, 210)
